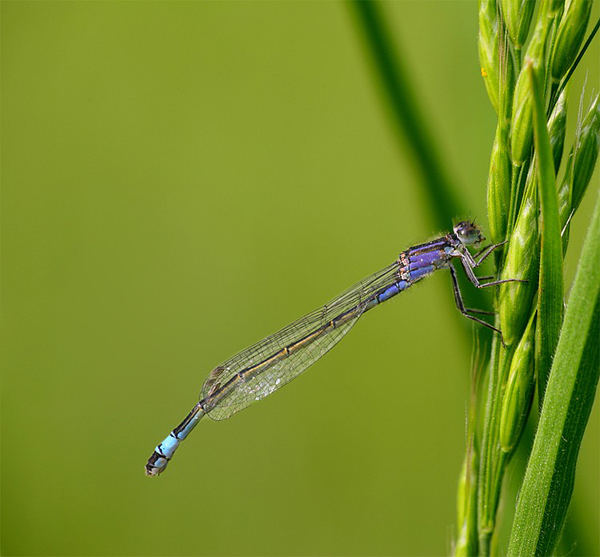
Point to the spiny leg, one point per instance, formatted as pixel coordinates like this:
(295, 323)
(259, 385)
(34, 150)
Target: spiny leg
(482, 255)
(481, 311)
(471, 275)
(466, 311)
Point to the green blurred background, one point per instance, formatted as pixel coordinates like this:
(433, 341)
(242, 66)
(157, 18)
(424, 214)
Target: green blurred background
(179, 181)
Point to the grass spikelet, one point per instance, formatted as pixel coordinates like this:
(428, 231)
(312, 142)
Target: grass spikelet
(517, 15)
(520, 385)
(569, 37)
(522, 109)
(497, 65)
(498, 193)
(488, 48)
(586, 153)
(521, 262)
(466, 505)
(521, 121)
(557, 124)
(580, 167)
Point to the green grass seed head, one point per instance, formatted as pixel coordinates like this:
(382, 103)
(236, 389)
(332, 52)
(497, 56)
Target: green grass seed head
(517, 16)
(522, 107)
(521, 123)
(556, 128)
(522, 261)
(586, 153)
(498, 193)
(466, 540)
(569, 36)
(580, 165)
(518, 394)
(488, 49)
(462, 496)
(564, 196)
(497, 64)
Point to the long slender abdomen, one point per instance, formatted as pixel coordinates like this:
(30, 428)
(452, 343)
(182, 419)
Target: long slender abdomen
(164, 451)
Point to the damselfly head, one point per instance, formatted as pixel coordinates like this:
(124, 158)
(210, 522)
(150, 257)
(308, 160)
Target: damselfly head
(468, 232)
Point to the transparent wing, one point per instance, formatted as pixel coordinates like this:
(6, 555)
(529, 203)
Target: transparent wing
(266, 366)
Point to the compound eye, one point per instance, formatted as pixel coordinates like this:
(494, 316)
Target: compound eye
(468, 232)
(462, 228)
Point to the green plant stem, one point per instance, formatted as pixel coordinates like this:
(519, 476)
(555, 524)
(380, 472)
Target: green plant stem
(408, 114)
(547, 486)
(493, 459)
(414, 131)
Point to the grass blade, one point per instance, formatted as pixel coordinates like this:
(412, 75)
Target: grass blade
(408, 115)
(550, 297)
(413, 129)
(547, 486)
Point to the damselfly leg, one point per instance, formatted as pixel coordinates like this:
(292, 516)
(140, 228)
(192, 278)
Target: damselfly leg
(469, 263)
(468, 311)
(483, 254)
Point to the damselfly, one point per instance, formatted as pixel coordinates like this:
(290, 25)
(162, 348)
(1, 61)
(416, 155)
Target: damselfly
(263, 368)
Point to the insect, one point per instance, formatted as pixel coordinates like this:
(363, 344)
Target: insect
(261, 369)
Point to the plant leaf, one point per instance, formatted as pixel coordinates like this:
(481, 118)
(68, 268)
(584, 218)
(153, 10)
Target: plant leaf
(408, 114)
(547, 486)
(442, 196)
(550, 297)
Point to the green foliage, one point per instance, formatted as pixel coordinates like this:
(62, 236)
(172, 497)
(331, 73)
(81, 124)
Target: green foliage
(466, 507)
(571, 30)
(498, 190)
(522, 257)
(538, 210)
(586, 153)
(490, 47)
(517, 15)
(557, 124)
(522, 109)
(520, 385)
(579, 168)
(526, 208)
(550, 289)
(548, 481)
